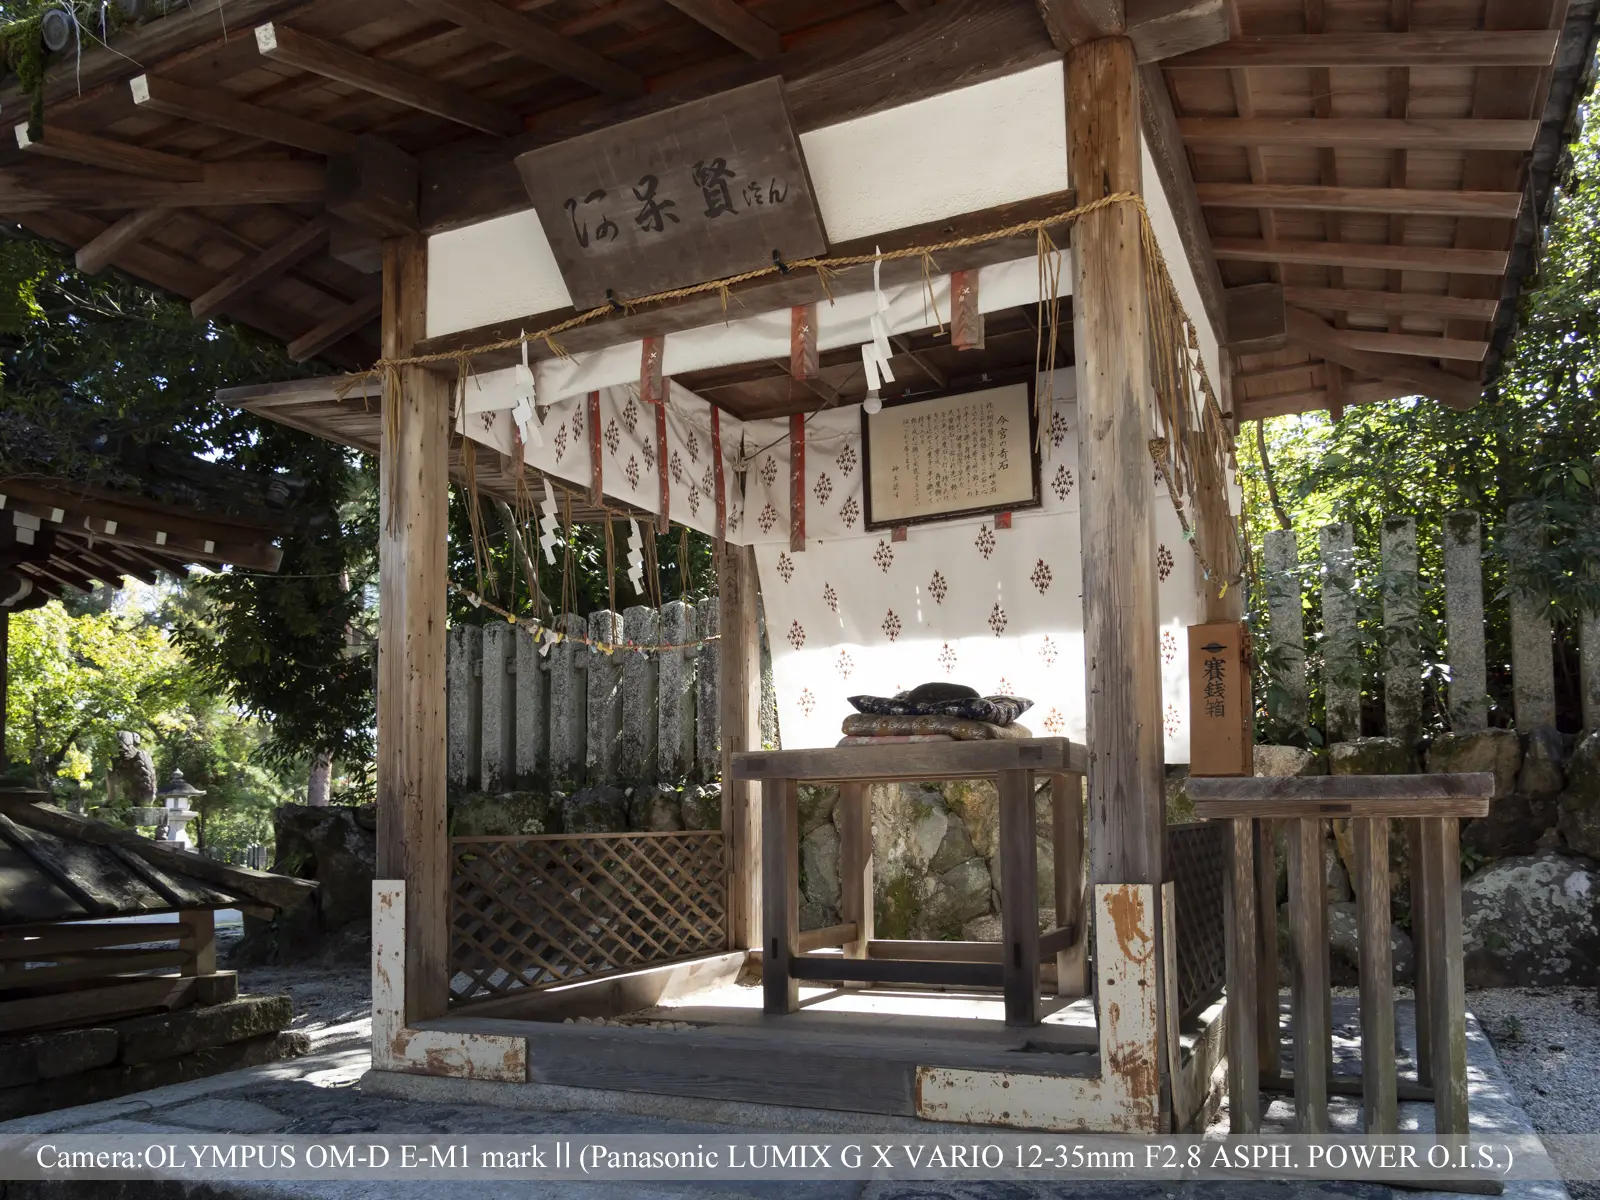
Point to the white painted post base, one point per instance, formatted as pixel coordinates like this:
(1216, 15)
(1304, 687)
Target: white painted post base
(1127, 1096)
(424, 1051)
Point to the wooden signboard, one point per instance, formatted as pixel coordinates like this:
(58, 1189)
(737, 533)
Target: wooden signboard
(698, 192)
(1221, 716)
(942, 457)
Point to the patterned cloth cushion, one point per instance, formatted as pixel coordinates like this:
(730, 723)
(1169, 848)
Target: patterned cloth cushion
(863, 725)
(992, 710)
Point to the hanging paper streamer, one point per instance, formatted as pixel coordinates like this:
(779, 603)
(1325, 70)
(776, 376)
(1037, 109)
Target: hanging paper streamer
(527, 402)
(875, 354)
(548, 525)
(635, 557)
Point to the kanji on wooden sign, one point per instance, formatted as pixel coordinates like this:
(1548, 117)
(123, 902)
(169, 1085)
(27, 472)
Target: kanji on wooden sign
(804, 362)
(701, 191)
(1221, 732)
(797, 482)
(966, 320)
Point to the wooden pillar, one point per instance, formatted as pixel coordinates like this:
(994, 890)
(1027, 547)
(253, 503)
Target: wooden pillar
(199, 943)
(1379, 1111)
(413, 490)
(1019, 897)
(1066, 828)
(781, 910)
(739, 692)
(855, 865)
(1239, 917)
(1126, 809)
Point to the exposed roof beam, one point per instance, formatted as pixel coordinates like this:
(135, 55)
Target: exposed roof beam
(225, 184)
(1416, 344)
(96, 254)
(908, 58)
(494, 22)
(1457, 48)
(1357, 254)
(1158, 29)
(729, 21)
(1249, 408)
(1317, 337)
(383, 79)
(267, 265)
(1360, 199)
(336, 328)
(92, 151)
(1380, 133)
(171, 99)
(1401, 303)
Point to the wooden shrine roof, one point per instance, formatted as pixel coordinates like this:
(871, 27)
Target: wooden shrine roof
(1388, 164)
(55, 866)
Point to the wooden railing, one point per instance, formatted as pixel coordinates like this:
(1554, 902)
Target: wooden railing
(1432, 807)
(530, 912)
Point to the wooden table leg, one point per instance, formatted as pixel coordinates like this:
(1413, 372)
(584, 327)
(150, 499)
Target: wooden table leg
(780, 877)
(1269, 1040)
(1239, 915)
(1019, 897)
(1445, 1016)
(855, 864)
(1308, 941)
(1420, 920)
(1379, 1105)
(1066, 828)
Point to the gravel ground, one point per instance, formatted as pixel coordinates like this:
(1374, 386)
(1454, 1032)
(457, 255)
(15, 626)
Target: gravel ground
(332, 1005)
(1548, 1041)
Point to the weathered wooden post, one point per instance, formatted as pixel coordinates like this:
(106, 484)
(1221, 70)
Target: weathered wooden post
(1402, 650)
(1533, 680)
(637, 748)
(1287, 636)
(413, 491)
(1463, 602)
(1341, 641)
(739, 703)
(1126, 810)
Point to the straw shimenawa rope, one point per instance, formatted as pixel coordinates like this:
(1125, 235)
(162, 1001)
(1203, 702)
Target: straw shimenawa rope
(1173, 340)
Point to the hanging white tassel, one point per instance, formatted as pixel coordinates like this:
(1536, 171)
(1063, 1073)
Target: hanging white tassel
(875, 354)
(548, 525)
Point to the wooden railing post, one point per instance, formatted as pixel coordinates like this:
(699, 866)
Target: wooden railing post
(1379, 1111)
(1239, 915)
(1445, 1015)
(1067, 834)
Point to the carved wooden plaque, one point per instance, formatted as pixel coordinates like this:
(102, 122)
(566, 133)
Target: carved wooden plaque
(1221, 716)
(941, 457)
(702, 191)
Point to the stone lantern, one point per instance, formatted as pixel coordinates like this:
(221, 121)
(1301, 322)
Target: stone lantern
(175, 798)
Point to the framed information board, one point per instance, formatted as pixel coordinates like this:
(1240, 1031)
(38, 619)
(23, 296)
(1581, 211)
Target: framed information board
(936, 458)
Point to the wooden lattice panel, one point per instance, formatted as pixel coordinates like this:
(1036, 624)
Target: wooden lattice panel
(1196, 853)
(529, 912)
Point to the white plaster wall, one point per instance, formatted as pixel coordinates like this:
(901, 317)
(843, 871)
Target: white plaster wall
(492, 271)
(963, 151)
(958, 152)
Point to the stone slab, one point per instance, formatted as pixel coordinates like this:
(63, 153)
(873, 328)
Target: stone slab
(169, 1035)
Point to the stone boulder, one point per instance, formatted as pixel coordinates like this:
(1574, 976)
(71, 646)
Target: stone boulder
(1579, 806)
(655, 808)
(1530, 922)
(1286, 761)
(1371, 756)
(1543, 756)
(1344, 954)
(1497, 751)
(817, 803)
(506, 814)
(819, 867)
(959, 895)
(702, 806)
(601, 809)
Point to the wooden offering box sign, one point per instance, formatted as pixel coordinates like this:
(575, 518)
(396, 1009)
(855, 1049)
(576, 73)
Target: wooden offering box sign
(934, 459)
(698, 192)
(1220, 711)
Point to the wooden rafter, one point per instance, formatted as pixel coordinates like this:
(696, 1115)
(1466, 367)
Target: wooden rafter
(494, 22)
(336, 328)
(97, 254)
(1452, 48)
(1252, 408)
(324, 58)
(1420, 201)
(221, 184)
(1377, 132)
(267, 265)
(107, 153)
(213, 107)
(1354, 254)
(1416, 304)
(1421, 345)
(729, 21)
(1317, 337)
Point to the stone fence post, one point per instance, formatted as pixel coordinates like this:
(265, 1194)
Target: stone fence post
(1286, 634)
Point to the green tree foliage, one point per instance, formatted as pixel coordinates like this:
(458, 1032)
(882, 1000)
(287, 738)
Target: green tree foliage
(1533, 439)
